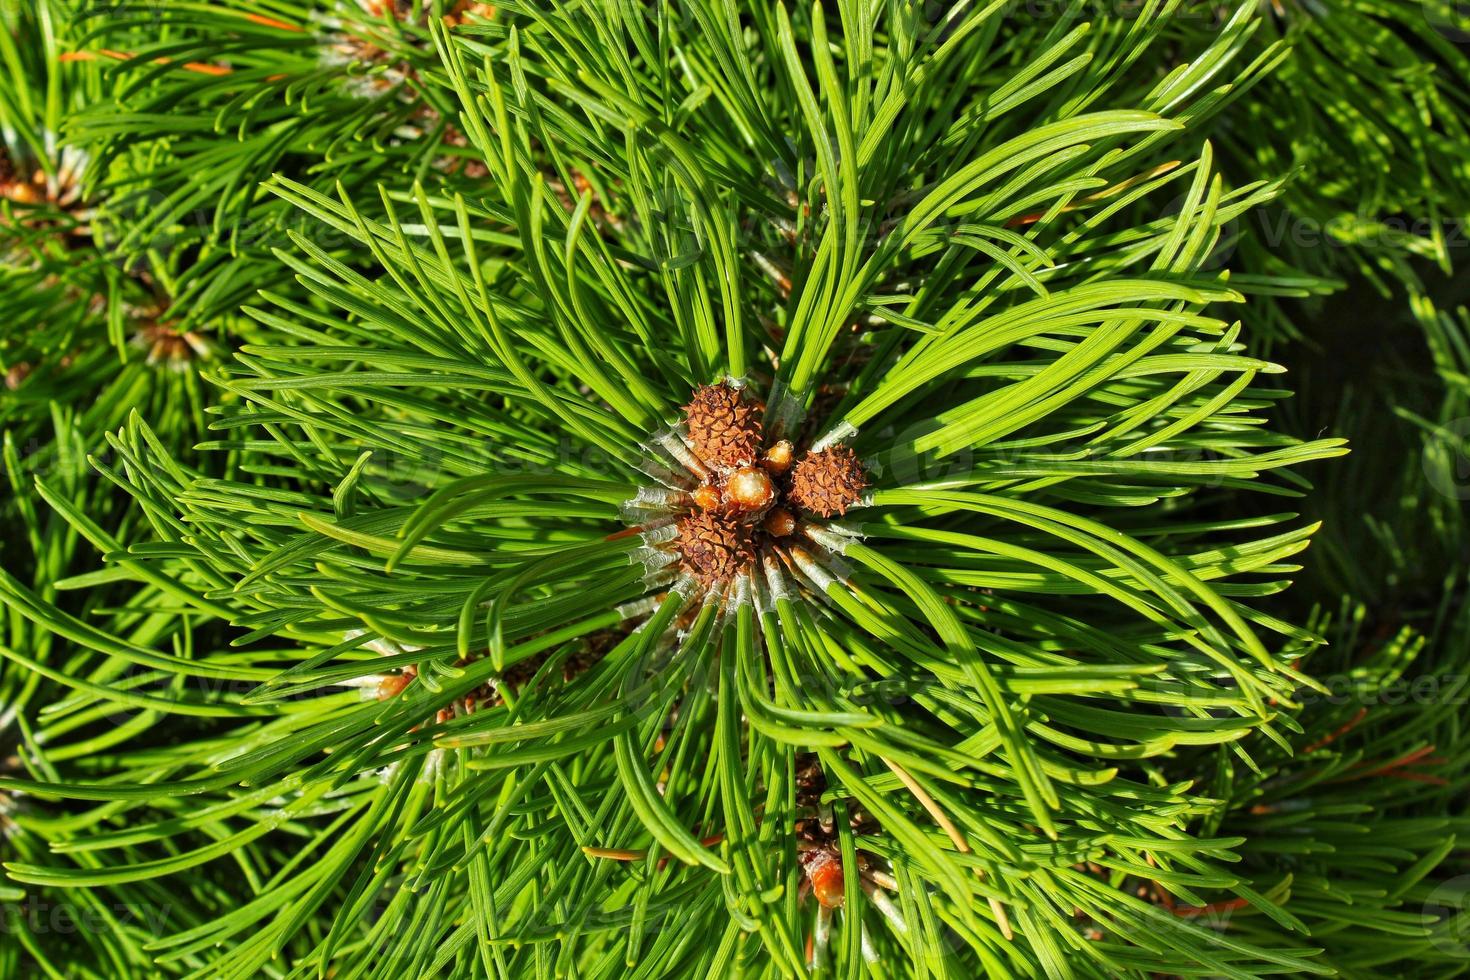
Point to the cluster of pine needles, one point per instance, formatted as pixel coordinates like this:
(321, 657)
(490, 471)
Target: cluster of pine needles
(685, 488)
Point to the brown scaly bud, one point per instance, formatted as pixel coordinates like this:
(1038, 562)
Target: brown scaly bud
(714, 547)
(724, 428)
(828, 482)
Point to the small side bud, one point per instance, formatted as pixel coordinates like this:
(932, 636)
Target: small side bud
(392, 685)
(778, 458)
(706, 497)
(824, 871)
(780, 523)
(750, 489)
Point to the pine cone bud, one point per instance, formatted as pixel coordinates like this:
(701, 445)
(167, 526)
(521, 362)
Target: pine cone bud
(714, 547)
(828, 482)
(725, 429)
